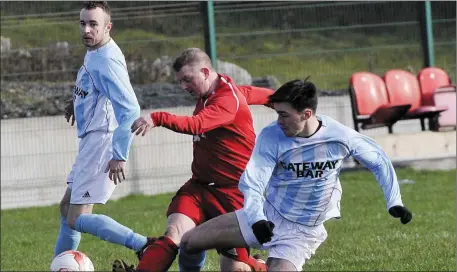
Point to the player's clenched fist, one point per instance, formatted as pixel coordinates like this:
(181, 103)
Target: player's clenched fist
(142, 125)
(263, 231)
(69, 112)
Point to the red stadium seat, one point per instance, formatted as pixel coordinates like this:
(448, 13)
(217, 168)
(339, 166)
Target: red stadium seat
(445, 96)
(370, 102)
(403, 88)
(430, 79)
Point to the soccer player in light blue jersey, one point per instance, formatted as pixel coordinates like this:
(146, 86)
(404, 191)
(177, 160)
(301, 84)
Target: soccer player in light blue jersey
(104, 107)
(291, 183)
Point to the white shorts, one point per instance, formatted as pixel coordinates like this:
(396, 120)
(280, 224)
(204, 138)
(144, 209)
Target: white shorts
(291, 241)
(87, 180)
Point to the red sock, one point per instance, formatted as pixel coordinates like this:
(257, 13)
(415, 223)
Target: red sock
(242, 255)
(256, 265)
(158, 256)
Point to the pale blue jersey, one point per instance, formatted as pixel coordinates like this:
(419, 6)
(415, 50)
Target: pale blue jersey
(104, 99)
(300, 176)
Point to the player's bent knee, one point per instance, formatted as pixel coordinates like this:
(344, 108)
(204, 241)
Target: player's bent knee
(185, 244)
(72, 216)
(187, 247)
(74, 211)
(71, 222)
(190, 245)
(178, 225)
(173, 232)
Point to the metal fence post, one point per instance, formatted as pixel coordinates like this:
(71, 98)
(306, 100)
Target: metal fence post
(427, 34)
(209, 31)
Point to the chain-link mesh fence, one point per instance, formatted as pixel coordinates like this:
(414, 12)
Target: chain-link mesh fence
(278, 41)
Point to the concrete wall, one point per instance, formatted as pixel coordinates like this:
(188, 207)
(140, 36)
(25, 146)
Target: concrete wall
(37, 153)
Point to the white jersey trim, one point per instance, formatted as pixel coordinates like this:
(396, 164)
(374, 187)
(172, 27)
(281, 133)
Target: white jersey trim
(233, 92)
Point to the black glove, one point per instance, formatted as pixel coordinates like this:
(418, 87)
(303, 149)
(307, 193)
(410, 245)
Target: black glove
(263, 231)
(402, 212)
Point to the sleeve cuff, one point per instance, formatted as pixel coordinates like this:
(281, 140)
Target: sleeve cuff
(154, 119)
(118, 158)
(254, 218)
(395, 203)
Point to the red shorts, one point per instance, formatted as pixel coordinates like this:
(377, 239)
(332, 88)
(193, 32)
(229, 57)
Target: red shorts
(201, 202)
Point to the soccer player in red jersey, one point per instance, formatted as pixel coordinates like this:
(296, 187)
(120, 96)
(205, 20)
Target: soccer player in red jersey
(223, 140)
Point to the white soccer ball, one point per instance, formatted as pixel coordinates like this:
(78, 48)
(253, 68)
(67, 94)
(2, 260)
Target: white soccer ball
(72, 260)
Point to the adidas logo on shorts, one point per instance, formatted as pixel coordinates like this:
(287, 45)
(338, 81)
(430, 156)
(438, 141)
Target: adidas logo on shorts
(86, 194)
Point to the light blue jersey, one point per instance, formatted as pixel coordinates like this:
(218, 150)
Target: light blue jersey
(300, 176)
(104, 99)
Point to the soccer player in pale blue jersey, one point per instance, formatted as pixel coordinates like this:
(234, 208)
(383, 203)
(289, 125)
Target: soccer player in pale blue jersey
(291, 184)
(104, 107)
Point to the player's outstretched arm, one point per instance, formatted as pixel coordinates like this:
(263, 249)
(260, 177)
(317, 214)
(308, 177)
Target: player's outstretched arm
(256, 95)
(142, 125)
(254, 181)
(218, 112)
(371, 155)
(112, 80)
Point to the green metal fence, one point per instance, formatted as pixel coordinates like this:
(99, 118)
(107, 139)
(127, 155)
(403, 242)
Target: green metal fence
(41, 53)
(330, 41)
(327, 40)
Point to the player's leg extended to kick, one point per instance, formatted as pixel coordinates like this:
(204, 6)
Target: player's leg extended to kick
(77, 218)
(80, 218)
(220, 232)
(159, 256)
(224, 232)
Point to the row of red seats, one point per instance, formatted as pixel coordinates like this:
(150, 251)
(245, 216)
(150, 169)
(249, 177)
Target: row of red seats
(400, 95)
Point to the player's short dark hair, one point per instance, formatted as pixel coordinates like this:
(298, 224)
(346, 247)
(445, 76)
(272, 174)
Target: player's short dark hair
(190, 56)
(301, 94)
(98, 4)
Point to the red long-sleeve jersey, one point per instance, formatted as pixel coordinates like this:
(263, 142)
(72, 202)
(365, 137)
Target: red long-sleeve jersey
(223, 131)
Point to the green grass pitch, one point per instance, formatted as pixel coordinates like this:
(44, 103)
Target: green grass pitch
(365, 239)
